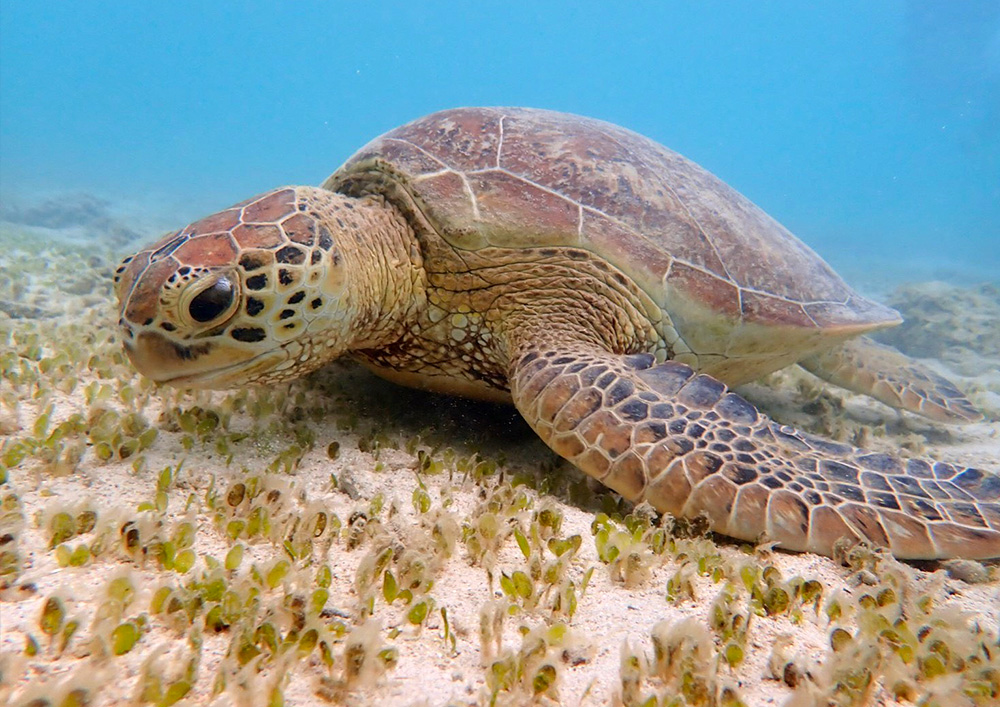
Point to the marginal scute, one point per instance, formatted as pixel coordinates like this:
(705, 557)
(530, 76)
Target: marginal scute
(772, 310)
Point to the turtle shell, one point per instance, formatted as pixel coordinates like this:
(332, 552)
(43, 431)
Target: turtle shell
(523, 178)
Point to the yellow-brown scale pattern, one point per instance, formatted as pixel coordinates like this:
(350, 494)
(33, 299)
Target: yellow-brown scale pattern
(683, 442)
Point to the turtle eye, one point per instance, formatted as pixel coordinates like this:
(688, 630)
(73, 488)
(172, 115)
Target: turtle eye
(212, 302)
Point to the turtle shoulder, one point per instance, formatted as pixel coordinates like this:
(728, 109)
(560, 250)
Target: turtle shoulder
(524, 178)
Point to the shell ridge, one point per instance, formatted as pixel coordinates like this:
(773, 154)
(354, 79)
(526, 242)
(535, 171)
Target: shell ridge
(704, 235)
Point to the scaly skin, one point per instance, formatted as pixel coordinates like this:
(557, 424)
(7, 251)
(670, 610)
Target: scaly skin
(683, 442)
(870, 368)
(310, 276)
(313, 275)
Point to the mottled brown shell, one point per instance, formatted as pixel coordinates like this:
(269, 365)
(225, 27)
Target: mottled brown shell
(521, 178)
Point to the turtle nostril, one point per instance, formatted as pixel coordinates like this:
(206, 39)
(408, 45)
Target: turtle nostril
(212, 302)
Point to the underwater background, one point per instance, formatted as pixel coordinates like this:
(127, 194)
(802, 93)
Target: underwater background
(871, 130)
(342, 540)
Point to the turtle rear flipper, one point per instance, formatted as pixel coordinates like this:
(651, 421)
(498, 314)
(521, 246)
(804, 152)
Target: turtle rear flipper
(867, 367)
(689, 446)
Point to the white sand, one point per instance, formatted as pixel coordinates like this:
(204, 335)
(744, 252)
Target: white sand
(353, 407)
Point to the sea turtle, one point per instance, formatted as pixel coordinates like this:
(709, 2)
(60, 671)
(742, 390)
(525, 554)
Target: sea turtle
(608, 287)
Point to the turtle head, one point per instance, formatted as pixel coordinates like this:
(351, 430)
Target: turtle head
(255, 293)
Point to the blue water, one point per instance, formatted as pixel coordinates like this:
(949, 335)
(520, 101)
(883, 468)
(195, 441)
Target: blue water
(871, 129)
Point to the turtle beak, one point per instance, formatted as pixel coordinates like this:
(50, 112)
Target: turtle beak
(195, 365)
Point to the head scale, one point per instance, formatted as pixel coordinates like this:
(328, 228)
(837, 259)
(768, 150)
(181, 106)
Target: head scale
(255, 293)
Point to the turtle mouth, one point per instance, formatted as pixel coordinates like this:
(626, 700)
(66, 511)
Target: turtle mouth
(205, 365)
(241, 372)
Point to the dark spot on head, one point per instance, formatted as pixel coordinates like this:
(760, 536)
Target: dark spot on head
(290, 255)
(325, 239)
(315, 257)
(771, 482)
(289, 326)
(167, 326)
(184, 271)
(316, 303)
(148, 322)
(251, 262)
(168, 247)
(254, 306)
(285, 277)
(286, 314)
(297, 297)
(257, 282)
(190, 353)
(248, 334)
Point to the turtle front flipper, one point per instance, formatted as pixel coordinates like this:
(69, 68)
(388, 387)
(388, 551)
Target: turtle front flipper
(689, 446)
(867, 367)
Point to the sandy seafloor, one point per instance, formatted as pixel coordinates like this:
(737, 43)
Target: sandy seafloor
(455, 502)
